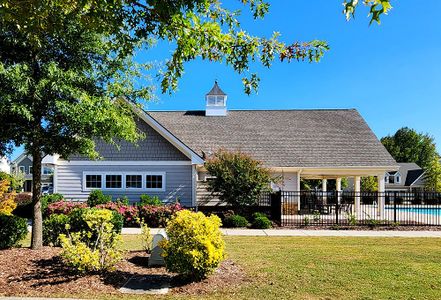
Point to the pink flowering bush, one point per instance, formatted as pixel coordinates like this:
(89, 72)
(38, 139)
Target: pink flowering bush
(158, 216)
(64, 207)
(128, 212)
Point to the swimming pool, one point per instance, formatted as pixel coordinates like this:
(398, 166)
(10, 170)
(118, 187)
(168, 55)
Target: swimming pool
(426, 211)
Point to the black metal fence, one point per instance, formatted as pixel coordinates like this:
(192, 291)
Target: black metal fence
(310, 208)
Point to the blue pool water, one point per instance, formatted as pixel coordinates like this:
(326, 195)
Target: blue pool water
(426, 211)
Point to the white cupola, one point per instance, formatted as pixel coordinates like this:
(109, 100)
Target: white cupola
(216, 102)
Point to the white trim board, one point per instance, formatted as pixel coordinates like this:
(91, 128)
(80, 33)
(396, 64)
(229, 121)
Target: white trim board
(124, 163)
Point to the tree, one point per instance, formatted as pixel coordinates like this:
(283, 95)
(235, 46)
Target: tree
(407, 145)
(65, 64)
(238, 179)
(369, 184)
(433, 175)
(61, 94)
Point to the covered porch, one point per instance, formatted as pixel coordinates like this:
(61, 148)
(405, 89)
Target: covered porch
(335, 200)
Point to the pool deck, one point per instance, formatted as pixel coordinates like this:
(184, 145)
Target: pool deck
(313, 233)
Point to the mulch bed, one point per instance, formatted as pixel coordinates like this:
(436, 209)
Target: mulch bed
(25, 272)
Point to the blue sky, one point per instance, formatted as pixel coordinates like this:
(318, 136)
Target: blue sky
(391, 73)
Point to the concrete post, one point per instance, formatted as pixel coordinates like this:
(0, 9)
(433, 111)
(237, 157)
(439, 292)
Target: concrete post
(324, 190)
(338, 189)
(381, 196)
(357, 189)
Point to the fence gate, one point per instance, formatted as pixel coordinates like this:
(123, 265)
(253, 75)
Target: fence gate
(276, 207)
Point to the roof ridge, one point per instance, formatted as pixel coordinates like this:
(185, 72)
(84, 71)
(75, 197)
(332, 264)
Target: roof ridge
(265, 109)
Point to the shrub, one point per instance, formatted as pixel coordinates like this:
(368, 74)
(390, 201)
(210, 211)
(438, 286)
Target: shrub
(146, 238)
(124, 200)
(13, 229)
(129, 213)
(63, 207)
(99, 253)
(53, 226)
(96, 197)
(7, 198)
(157, 216)
(195, 246)
(260, 221)
(77, 223)
(24, 207)
(235, 221)
(51, 198)
(150, 200)
(238, 179)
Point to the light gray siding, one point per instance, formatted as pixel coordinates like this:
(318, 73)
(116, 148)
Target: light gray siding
(153, 147)
(178, 179)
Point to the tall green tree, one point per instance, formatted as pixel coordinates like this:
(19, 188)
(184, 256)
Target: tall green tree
(408, 145)
(433, 175)
(59, 95)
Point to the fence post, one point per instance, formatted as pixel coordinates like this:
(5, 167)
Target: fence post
(276, 207)
(395, 207)
(337, 205)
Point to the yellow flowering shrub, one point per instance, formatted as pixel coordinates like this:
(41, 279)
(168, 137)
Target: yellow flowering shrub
(7, 198)
(195, 246)
(95, 249)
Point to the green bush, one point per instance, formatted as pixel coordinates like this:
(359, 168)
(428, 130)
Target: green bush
(53, 226)
(77, 223)
(260, 221)
(124, 200)
(235, 221)
(48, 199)
(195, 246)
(13, 229)
(97, 247)
(238, 179)
(96, 197)
(150, 200)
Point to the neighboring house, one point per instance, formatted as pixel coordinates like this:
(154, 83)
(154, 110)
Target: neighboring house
(315, 144)
(23, 165)
(409, 177)
(4, 165)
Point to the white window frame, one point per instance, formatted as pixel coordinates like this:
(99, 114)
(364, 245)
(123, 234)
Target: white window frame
(398, 178)
(85, 188)
(22, 169)
(155, 189)
(103, 178)
(134, 188)
(30, 170)
(123, 179)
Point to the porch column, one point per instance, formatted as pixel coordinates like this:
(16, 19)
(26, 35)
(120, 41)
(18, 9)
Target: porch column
(381, 196)
(324, 190)
(298, 191)
(338, 189)
(357, 188)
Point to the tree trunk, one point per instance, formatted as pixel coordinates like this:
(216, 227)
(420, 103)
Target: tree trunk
(37, 220)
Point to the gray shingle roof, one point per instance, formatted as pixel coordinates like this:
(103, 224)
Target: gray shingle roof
(409, 173)
(282, 138)
(216, 90)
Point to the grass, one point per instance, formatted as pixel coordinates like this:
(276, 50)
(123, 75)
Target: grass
(332, 267)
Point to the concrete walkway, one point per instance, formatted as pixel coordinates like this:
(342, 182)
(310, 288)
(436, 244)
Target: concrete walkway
(304, 233)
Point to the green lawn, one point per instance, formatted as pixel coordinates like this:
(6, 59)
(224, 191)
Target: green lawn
(333, 267)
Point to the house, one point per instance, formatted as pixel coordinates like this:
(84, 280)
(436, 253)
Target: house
(316, 144)
(4, 165)
(23, 164)
(409, 177)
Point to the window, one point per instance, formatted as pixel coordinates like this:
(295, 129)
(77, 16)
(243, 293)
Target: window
(392, 179)
(154, 181)
(133, 181)
(211, 100)
(22, 169)
(48, 171)
(216, 100)
(398, 179)
(93, 181)
(113, 181)
(386, 179)
(30, 170)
